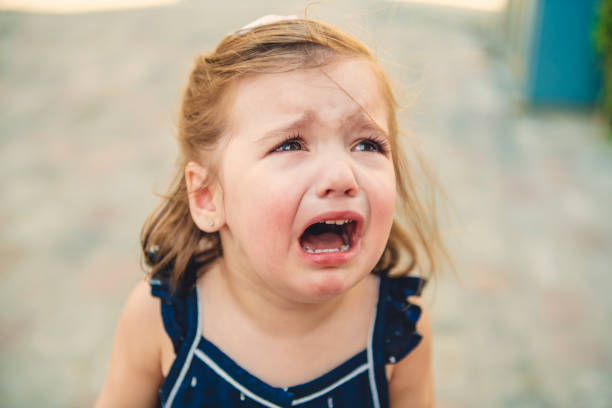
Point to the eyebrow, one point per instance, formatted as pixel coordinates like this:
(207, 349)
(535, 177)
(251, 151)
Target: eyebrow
(305, 118)
(358, 119)
(363, 121)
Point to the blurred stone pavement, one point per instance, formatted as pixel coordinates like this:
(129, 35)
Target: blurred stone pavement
(87, 117)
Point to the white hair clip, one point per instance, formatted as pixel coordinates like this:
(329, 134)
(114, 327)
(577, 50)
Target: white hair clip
(268, 19)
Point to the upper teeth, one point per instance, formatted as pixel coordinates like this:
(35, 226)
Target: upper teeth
(337, 222)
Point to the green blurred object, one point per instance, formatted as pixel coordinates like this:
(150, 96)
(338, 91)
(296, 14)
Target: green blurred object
(603, 43)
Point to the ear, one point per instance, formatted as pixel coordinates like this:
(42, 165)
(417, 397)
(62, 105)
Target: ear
(205, 198)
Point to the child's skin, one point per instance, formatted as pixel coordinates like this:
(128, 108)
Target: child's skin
(285, 315)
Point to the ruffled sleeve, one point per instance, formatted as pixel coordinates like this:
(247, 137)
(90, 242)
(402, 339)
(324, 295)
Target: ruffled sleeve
(400, 335)
(173, 310)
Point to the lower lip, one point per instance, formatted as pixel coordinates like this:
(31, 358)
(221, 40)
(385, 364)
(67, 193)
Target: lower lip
(329, 258)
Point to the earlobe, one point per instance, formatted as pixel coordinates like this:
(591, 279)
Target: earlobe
(205, 198)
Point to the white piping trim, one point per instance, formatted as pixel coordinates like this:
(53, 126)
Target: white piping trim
(233, 382)
(188, 359)
(325, 390)
(373, 388)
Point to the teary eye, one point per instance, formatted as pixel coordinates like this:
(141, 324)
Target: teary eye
(371, 145)
(294, 143)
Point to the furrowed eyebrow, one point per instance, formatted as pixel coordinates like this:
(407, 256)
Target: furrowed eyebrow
(361, 120)
(300, 122)
(357, 120)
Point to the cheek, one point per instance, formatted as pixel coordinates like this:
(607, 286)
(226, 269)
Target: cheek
(261, 214)
(383, 207)
(382, 202)
(273, 222)
(379, 184)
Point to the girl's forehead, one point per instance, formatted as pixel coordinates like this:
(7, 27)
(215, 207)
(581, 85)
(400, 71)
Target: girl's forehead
(334, 94)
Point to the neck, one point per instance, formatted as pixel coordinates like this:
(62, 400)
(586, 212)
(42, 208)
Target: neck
(273, 314)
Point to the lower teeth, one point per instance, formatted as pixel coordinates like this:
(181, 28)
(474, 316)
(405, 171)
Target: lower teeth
(343, 248)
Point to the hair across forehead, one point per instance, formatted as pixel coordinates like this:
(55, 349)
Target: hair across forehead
(282, 46)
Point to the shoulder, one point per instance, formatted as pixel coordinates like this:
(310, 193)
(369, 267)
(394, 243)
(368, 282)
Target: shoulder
(411, 379)
(140, 322)
(140, 302)
(143, 326)
(135, 369)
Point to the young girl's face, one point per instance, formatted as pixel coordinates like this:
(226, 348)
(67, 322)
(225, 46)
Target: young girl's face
(302, 150)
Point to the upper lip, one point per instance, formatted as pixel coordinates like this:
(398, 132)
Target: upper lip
(336, 215)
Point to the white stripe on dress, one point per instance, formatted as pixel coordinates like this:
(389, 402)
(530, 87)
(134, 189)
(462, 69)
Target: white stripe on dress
(369, 366)
(223, 374)
(338, 383)
(373, 388)
(188, 359)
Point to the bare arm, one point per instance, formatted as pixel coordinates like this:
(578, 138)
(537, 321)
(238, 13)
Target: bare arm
(411, 383)
(135, 373)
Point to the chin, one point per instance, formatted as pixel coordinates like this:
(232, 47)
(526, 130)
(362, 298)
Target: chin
(329, 284)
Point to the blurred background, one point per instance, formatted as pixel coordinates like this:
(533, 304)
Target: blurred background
(508, 99)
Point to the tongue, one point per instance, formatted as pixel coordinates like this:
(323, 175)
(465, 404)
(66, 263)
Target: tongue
(326, 240)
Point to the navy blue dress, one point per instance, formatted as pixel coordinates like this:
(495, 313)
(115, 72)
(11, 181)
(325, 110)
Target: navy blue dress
(203, 376)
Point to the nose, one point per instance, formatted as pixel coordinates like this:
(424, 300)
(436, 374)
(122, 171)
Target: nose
(336, 178)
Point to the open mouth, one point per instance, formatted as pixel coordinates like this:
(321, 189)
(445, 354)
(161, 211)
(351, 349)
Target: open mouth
(328, 236)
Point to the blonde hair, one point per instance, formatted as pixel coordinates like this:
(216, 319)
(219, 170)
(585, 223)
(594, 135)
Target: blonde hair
(174, 246)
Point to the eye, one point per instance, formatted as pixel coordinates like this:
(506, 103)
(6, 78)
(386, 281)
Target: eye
(371, 145)
(291, 144)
